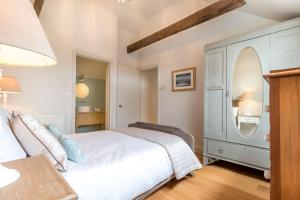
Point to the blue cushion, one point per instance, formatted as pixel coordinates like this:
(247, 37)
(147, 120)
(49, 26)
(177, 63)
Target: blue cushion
(72, 149)
(55, 131)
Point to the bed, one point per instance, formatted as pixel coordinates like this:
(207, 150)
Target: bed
(129, 163)
(129, 167)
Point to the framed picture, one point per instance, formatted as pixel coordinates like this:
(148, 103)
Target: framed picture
(184, 79)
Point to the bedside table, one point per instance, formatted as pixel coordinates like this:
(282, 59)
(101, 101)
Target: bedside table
(39, 181)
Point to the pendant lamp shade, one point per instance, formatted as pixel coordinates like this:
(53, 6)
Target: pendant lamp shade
(23, 41)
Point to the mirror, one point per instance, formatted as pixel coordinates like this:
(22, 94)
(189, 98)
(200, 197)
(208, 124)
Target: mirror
(247, 92)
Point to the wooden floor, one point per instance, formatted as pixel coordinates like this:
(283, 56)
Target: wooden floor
(221, 181)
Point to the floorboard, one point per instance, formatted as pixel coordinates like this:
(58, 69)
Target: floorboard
(220, 181)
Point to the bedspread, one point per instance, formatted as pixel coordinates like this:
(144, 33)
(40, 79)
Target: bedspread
(182, 158)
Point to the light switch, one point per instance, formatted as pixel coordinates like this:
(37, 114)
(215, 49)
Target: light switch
(162, 88)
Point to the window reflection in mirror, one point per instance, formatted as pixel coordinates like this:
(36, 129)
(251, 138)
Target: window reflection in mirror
(247, 90)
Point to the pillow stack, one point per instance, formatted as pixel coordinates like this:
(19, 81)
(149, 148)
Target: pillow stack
(36, 140)
(70, 145)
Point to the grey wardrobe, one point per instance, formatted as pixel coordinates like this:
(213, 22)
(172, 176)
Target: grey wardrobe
(236, 118)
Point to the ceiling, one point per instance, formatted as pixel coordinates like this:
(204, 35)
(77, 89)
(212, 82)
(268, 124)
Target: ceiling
(278, 10)
(133, 14)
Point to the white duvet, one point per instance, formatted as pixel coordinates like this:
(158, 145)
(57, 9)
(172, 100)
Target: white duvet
(117, 166)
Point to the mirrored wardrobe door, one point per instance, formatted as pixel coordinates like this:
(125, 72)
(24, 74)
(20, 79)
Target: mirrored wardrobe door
(247, 122)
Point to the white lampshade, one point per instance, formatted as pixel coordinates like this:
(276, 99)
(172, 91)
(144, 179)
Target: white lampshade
(9, 84)
(23, 41)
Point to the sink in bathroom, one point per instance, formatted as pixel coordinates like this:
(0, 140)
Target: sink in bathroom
(83, 109)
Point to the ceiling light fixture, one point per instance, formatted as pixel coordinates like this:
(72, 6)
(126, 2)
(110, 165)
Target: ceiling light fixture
(123, 1)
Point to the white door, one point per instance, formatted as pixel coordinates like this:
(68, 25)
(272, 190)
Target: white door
(128, 96)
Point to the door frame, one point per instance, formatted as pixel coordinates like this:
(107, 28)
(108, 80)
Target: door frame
(107, 87)
(158, 91)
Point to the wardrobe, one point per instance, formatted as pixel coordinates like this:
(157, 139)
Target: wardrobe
(236, 97)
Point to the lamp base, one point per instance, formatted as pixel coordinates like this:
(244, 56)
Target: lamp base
(8, 176)
(4, 99)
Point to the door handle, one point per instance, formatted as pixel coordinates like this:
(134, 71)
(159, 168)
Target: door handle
(120, 106)
(220, 150)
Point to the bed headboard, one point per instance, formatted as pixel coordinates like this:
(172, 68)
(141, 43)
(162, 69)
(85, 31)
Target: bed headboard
(189, 139)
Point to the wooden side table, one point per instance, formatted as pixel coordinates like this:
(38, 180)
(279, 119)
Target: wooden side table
(39, 180)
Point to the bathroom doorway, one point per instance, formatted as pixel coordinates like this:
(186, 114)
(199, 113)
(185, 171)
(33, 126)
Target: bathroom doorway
(149, 96)
(91, 93)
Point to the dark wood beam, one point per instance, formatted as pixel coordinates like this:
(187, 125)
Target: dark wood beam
(217, 9)
(38, 5)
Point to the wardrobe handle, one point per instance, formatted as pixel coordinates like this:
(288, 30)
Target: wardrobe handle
(220, 150)
(267, 109)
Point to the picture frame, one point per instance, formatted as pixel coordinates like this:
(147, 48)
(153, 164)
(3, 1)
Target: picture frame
(184, 79)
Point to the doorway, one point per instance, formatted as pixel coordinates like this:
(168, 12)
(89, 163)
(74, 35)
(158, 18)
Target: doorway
(91, 94)
(149, 96)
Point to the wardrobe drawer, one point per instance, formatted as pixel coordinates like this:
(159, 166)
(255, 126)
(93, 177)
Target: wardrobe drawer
(240, 153)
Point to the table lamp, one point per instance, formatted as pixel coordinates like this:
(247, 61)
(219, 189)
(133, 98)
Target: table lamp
(23, 42)
(8, 85)
(248, 106)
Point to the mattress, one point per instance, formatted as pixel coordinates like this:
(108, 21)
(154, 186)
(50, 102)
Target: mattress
(117, 166)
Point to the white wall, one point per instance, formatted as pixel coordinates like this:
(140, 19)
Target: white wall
(91, 68)
(71, 25)
(185, 109)
(124, 59)
(84, 26)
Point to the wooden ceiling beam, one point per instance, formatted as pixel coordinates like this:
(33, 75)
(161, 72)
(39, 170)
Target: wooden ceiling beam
(215, 10)
(38, 5)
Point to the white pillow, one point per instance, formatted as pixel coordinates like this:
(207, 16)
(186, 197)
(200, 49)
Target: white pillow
(37, 140)
(10, 149)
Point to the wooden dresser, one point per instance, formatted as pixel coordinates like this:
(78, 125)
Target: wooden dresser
(285, 133)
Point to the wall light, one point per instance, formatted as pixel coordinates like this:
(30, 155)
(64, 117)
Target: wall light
(82, 90)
